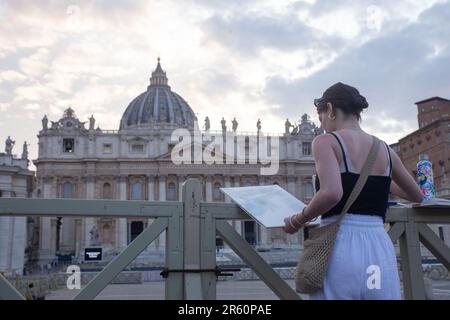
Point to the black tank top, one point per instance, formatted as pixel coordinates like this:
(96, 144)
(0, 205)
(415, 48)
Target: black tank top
(373, 199)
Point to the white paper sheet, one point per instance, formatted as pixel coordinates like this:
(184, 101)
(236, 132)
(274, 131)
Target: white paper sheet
(267, 205)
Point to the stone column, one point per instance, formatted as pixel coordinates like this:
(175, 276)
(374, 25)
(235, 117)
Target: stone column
(291, 185)
(151, 187)
(47, 235)
(227, 185)
(208, 180)
(123, 228)
(89, 222)
(67, 231)
(19, 238)
(238, 223)
(18, 235)
(6, 226)
(151, 197)
(161, 243)
(264, 233)
(181, 179)
(52, 235)
(162, 188)
(299, 188)
(79, 237)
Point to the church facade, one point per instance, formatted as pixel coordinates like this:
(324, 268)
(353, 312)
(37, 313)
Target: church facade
(79, 160)
(15, 181)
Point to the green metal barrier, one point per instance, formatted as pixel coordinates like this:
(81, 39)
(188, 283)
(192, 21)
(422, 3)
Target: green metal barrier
(409, 227)
(191, 226)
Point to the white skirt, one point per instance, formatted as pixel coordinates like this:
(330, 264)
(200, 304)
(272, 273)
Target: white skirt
(363, 264)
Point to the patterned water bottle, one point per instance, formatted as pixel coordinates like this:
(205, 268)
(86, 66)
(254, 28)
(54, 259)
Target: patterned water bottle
(425, 177)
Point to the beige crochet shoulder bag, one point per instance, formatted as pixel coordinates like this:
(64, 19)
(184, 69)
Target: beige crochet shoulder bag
(313, 263)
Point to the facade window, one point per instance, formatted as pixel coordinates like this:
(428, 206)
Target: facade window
(67, 190)
(306, 146)
(137, 148)
(171, 192)
(250, 232)
(68, 145)
(136, 191)
(136, 228)
(217, 195)
(107, 194)
(107, 148)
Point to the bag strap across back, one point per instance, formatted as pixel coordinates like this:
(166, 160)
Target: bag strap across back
(362, 177)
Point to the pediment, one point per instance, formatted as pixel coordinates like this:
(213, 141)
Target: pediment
(167, 156)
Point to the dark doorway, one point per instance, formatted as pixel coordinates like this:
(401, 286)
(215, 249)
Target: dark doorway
(250, 232)
(136, 227)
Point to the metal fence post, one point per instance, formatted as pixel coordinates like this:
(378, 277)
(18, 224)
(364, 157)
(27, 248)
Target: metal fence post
(192, 239)
(413, 283)
(208, 255)
(174, 257)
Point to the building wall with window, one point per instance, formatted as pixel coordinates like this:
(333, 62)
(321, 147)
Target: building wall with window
(432, 109)
(433, 139)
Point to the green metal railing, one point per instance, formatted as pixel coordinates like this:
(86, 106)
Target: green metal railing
(410, 227)
(191, 226)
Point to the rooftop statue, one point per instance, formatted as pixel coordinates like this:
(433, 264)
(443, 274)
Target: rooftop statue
(25, 151)
(287, 126)
(235, 125)
(224, 126)
(91, 122)
(258, 125)
(207, 124)
(9, 144)
(45, 123)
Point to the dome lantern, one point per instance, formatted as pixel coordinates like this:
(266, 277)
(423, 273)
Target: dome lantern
(159, 77)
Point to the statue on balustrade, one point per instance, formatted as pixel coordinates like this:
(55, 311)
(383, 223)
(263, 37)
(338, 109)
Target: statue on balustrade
(9, 144)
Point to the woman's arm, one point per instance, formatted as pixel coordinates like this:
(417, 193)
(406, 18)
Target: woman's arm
(319, 204)
(330, 193)
(397, 191)
(403, 184)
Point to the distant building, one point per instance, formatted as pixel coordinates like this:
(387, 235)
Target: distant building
(134, 163)
(432, 138)
(15, 181)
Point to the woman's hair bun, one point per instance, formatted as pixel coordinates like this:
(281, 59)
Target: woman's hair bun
(360, 102)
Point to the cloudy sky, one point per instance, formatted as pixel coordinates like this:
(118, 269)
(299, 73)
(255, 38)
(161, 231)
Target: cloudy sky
(263, 59)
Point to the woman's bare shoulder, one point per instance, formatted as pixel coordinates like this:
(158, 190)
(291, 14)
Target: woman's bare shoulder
(323, 138)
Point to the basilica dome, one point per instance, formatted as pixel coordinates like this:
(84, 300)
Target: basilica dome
(158, 107)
